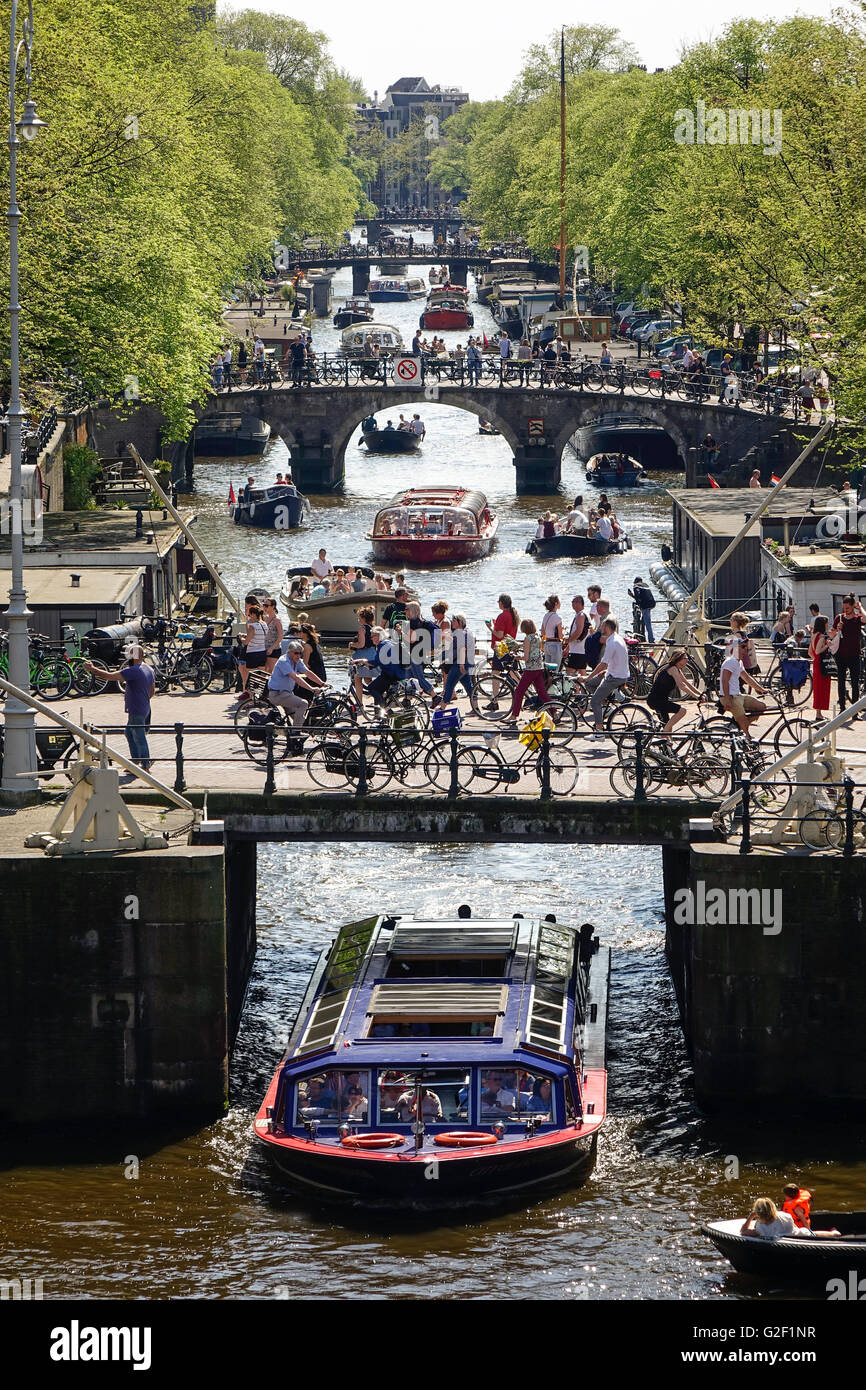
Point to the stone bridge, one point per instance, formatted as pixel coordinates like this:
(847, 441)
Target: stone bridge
(362, 257)
(317, 422)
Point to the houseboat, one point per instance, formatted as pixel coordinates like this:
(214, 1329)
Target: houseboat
(335, 615)
(614, 470)
(471, 1049)
(371, 340)
(231, 434)
(447, 308)
(277, 508)
(433, 526)
(357, 309)
(396, 289)
(499, 273)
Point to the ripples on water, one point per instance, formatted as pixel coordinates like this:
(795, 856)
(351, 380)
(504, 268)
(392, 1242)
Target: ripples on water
(205, 1218)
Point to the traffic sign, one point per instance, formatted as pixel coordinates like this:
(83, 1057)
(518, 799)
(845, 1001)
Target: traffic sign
(407, 370)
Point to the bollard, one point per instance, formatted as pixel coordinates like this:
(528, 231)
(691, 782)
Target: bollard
(362, 789)
(746, 841)
(639, 788)
(179, 783)
(546, 793)
(270, 779)
(454, 785)
(848, 784)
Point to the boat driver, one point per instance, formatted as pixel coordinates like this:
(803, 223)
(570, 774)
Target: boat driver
(431, 1106)
(495, 1099)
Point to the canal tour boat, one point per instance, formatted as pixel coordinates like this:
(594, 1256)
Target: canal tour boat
(357, 309)
(336, 615)
(796, 1257)
(277, 508)
(396, 289)
(433, 526)
(447, 308)
(472, 1052)
(357, 340)
(614, 470)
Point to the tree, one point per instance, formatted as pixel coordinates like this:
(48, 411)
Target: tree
(587, 47)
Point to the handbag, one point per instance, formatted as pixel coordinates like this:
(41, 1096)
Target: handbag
(833, 641)
(827, 664)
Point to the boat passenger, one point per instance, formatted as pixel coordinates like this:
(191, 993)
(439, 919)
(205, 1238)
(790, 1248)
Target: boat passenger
(431, 1106)
(319, 1103)
(767, 1222)
(340, 585)
(495, 1099)
(321, 566)
(368, 424)
(797, 1203)
(389, 426)
(355, 1105)
(540, 1102)
(319, 590)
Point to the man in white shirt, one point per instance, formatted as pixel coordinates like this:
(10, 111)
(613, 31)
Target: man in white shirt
(504, 346)
(593, 593)
(576, 519)
(604, 527)
(322, 566)
(417, 426)
(610, 674)
(688, 359)
(744, 708)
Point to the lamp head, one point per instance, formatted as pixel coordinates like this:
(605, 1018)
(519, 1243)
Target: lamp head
(30, 125)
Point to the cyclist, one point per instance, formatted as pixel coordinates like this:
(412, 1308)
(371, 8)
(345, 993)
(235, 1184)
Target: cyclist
(744, 708)
(288, 673)
(670, 677)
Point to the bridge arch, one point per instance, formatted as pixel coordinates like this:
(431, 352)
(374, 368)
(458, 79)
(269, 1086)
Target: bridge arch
(639, 411)
(391, 400)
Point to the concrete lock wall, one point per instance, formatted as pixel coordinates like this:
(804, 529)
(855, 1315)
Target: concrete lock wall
(773, 1013)
(113, 995)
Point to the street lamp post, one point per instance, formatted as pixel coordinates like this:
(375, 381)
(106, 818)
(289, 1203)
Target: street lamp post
(19, 749)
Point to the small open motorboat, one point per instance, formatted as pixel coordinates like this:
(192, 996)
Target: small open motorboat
(389, 441)
(472, 1052)
(335, 615)
(798, 1257)
(278, 508)
(485, 427)
(614, 470)
(574, 545)
(357, 309)
(433, 526)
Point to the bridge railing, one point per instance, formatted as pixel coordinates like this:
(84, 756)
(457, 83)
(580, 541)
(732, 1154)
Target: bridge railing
(587, 377)
(818, 815)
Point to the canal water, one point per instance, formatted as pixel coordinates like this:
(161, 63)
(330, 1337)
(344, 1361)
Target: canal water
(204, 1218)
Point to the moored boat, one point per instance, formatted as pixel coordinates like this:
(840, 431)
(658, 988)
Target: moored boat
(335, 615)
(447, 308)
(231, 434)
(278, 508)
(356, 309)
(796, 1257)
(371, 340)
(614, 470)
(471, 1050)
(434, 526)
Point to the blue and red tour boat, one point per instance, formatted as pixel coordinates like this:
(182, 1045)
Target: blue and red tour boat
(443, 1062)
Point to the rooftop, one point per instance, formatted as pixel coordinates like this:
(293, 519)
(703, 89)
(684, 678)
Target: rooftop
(722, 511)
(105, 587)
(98, 531)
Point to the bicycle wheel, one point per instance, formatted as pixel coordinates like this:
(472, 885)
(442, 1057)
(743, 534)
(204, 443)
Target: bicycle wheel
(491, 696)
(326, 764)
(592, 379)
(821, 829)
(255, 739)
(775, 684)
(566, 719)
(194, 676)
(564, 770)
(380, 765)
(416, 704)
(479, 769)
(629, 716)
(52, 680)
(708, 776)
(643, 671)
(638, 382)
(791, 731)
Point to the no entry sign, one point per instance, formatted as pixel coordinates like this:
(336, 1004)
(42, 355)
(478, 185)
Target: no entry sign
(407, 370)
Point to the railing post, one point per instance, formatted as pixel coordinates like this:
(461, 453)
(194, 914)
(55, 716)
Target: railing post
(639, 788)
(345, 371)
(541, 373)
(501, 367)
(746, 841)
(546, 793)
(736, 766)
(179, 783)
(454, 785)
(362, 789)
(848, 784)
(270, 779)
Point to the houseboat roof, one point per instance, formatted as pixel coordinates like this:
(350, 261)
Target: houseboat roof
(722, 511)
(109, 534)
(507, 983)
(440, 496)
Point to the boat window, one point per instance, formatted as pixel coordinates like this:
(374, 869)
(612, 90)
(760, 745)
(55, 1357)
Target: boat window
(535, 1095)
(459, 967)
(334, 1096)
(445, 1098)
(498, 1093)
(386, 1026)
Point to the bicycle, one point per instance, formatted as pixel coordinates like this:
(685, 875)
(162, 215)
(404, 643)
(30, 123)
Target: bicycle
(490, 684)
(49, 675)
(482, 768)
(256, 716)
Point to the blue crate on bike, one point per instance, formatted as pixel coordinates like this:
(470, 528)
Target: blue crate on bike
(444, 720)
(795, 670)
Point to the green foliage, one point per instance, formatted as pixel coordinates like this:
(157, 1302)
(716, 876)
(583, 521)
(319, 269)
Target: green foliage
(80, 469)
(128, 244)
(587, 47)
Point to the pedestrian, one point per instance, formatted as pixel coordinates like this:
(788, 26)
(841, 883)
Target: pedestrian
(580, 629)
(138, 682)
(645, 600)
(755, 479)
(473, 362)
(669, 678)
(462, 659)
(274, 625)
(551, 632)
(524, 360)
(533, 671)
(848, 625)
(254, 641)
(217, 372)
(821, 685)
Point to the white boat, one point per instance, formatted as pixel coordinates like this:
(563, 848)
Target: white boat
(335, 616)
(384, 337)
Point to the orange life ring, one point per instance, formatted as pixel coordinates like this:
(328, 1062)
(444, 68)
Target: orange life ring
(465, 1139)
(372, 1141)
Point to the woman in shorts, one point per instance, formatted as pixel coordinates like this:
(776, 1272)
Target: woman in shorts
(670, 678)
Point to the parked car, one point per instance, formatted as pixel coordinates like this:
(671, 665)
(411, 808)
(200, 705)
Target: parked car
(656, 328)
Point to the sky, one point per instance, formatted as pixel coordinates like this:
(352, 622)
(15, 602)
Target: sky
(477, 45)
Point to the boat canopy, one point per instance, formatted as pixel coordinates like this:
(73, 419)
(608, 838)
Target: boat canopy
(382, 334)
(439, 496)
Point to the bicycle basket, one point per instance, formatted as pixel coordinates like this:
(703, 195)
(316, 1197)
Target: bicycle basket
(258, 722)
(795, 671)
(531, 734)
(404, 728)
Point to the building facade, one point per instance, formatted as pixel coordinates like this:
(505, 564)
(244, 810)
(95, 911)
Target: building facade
(409, 100)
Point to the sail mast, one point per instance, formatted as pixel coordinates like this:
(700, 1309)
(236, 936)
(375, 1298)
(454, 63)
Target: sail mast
(562, 167)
